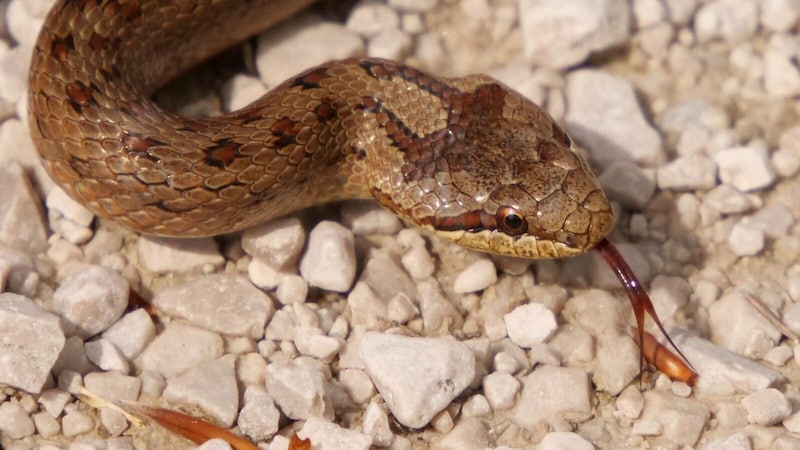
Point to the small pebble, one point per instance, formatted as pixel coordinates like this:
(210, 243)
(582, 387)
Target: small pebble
(180, 347)
(417, 377)
(21, 224)
(210, 385)
(530, 324)
(731, 20)
(75, 423)
(475, 277)
(300, 392)
(326, 435)
(14, 421)
(259, 417)
(329, 261)
(501, 390)
(32, 342)
(561, 440)
(163, 255)
(224, 303)
(468, 434)
(691, 172)
(131, 333)
(552, 392)
(376, 424)
(682, 421)
(106, 356)
(628, 184)
(277, 58)
(746, 168)
(766, 407)
(603, 109)
(278, 243)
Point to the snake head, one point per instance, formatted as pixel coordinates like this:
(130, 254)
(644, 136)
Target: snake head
(523, 190)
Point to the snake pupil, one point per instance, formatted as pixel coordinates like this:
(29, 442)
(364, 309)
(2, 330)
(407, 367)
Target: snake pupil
(511, 221)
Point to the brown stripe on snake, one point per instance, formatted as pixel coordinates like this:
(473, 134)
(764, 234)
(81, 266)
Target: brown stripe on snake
(467, 158)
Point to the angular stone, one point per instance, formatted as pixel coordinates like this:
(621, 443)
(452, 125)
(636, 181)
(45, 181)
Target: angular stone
(417, 377)
(223, 303)
(31, 342)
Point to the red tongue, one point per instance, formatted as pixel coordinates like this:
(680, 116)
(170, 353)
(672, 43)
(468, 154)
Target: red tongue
(641, 303)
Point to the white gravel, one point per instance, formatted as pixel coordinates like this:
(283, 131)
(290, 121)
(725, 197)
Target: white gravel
(338, 329)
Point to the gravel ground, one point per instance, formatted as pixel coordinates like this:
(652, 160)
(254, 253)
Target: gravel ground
(343, 325)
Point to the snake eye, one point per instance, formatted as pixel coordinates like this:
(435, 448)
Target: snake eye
(511, 221)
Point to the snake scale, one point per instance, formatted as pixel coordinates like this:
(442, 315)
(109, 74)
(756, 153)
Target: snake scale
(466, 158)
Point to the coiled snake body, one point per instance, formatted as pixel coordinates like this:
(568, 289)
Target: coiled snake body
(467, 158)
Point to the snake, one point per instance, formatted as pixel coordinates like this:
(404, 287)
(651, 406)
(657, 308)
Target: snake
(468, 159)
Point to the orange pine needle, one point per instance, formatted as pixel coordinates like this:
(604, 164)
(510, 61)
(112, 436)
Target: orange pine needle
(192, 428)
(664, 360)
(296, 443)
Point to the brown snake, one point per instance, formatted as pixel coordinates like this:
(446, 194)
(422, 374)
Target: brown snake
(468, 158)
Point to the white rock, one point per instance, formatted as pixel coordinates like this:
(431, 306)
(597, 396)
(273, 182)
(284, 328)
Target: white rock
(558, 34)
(32, 341)
(161, 255)
(560, 440)
(628, 184)
(92, 299)
(113, 386)
(475, 277)
(616, 363)
(779, 15)
(390, 44)
(75, 423)
(469, 434)
(58, 200)
(501, 390)
(630, 403)
(300, 392)
(792, 423)
(786, 159)
(648, 13)
(262, 274)
(278, 242)
(213, 444)
(46, 425)
(14, 421)
(476, 406)
(693, 112)
(277, 58)
(603, 110)
(721, 371)
(223, 303)
(413, 5)
(291, 289)
(767, 407)
(325, 435)
(13, 69)
(682, 420)
(552, 392)
(375, 423)
(781, 76)
(731, 20)
(329, 261)
(691, 172)
(21, 224)
(310, 341)
(747, 168)
(259, 417)
(368, 218)
(736, 441)
(180, 347)
(745, 240)
(734, 323)
(669, 295)
(366, 308)
(436, 308)
(369, 18)
(726, 199)
(106, 356)
(24, 19)
(53, 401)
(774, 219)
(416, 259)
(240, 91)
(357, 384)
(417, 377)
(530, 324)
(646, 427)
(131, 333)
(210, 385)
